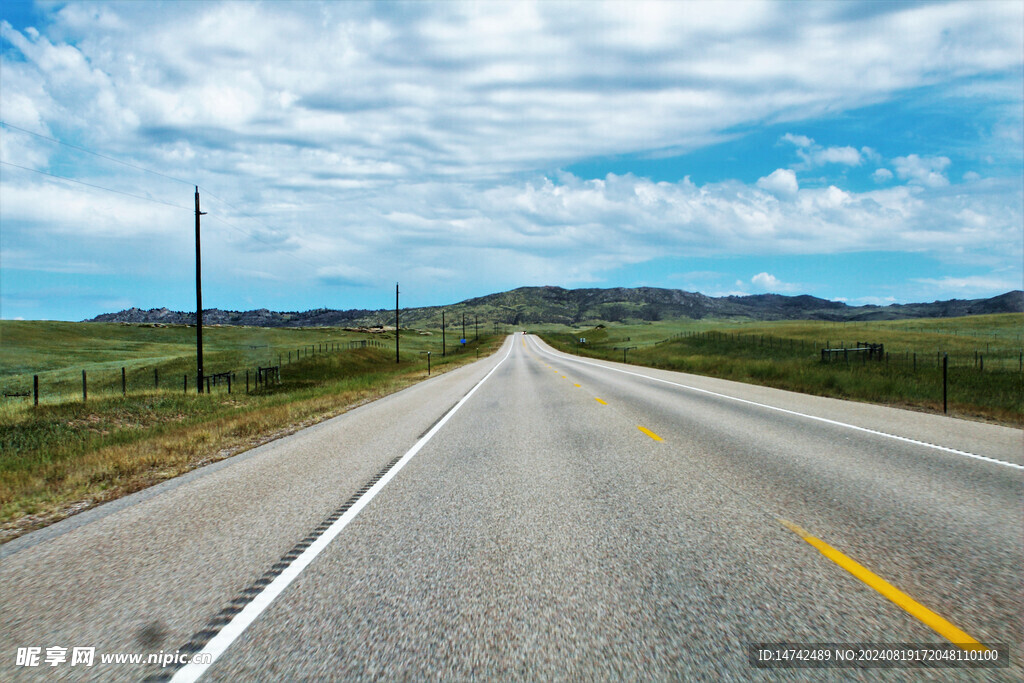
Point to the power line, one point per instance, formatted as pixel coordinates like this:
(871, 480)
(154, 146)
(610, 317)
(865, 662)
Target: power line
(98, 187)
(96, 154)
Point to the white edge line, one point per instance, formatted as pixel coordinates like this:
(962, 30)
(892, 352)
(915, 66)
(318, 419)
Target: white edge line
(241, 621)
(788, 412)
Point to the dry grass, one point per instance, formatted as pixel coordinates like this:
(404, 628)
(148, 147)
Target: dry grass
(60, 460)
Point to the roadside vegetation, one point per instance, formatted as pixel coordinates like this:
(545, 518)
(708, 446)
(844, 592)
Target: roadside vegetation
(985, 378)
(66, 454)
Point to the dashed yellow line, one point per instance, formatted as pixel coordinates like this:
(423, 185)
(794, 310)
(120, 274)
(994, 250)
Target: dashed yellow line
(602, 402)
(649, 433)
(935, 622)
(576, 385)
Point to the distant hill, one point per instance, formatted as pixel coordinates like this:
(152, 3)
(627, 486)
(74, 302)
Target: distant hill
(532, 305)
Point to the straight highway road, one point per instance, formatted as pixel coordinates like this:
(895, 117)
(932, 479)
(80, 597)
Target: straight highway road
(541, 516)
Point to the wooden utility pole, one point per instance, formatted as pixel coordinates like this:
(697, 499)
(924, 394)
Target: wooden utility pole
(397, 360)
(199, 300)
(443, 354)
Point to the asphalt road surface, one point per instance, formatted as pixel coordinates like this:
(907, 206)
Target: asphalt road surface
(535, 516)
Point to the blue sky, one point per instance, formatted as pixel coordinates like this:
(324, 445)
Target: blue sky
(865, 152)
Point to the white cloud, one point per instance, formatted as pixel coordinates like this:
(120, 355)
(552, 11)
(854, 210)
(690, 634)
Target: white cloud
(422, 136)
(769, 283)
(847, 156)
(919, 170)
(882, 175)
(871, 154)
(766, 281)
(814, 155)
(972, 285)
(798, 140)
(781, 181)
(449, 89)
(875, 300)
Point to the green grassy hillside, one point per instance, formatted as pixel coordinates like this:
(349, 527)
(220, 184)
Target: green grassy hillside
(985, 358)
(58, 352)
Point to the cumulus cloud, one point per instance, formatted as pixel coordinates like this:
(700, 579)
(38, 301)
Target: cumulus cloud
(922, 170)
(766, 281)
(449, 89)
(847, 156)
(882, 175)
(814, 155)
(359, 133)
(798, 140)
(781, 181)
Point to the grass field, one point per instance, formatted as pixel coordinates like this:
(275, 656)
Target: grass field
(985, 378)
(68, 454)
(58, 352)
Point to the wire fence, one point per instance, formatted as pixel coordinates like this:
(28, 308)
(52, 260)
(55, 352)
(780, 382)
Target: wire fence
(984, 358)
(105, 381)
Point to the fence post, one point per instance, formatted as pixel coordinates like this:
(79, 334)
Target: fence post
(156, 378)
(35, 389)
(945, 367)
(247, 380)
(85, 393)
(185, 383)
(229, 383)
(124, 383)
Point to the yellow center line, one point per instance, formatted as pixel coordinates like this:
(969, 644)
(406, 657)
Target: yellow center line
(935, 622)
(600, 401)
(576, 385)
(649, 433)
